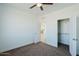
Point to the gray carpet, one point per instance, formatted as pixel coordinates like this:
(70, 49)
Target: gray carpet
(40, 49)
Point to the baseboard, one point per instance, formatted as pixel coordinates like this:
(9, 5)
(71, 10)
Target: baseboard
(48, 44)
(16, 47)
(22, 46)
(37, 42)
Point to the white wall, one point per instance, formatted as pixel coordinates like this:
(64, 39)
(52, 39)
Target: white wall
(17, 28)
(51, 22)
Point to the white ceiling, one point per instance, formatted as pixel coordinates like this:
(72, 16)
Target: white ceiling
(37, 11)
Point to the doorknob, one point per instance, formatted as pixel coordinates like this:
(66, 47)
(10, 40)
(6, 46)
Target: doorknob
(75, 39)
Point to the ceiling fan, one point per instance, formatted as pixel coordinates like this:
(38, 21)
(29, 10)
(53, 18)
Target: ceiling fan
(40, 5)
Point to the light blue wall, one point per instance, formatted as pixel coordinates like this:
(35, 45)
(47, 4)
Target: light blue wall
(51, 31)
(17, 28)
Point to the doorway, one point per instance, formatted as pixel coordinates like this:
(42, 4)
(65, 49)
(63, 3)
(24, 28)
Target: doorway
(63, 33)
(42, 30)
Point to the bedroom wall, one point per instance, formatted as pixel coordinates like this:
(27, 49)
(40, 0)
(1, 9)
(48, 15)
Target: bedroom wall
(17, 28)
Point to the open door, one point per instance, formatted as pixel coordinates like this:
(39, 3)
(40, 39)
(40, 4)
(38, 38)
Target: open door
(73, 36)
(77, 32)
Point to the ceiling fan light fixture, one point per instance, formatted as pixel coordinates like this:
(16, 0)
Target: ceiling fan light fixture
(39, 4)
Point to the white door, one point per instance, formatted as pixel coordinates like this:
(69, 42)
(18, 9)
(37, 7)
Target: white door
(77, 31)
(73, 37)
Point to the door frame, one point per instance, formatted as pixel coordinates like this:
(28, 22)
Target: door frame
(70, 19)
(57, 28)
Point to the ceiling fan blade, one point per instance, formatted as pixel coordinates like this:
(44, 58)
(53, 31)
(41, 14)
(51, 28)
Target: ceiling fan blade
(41, 8)
(47, 3)
(33, 6)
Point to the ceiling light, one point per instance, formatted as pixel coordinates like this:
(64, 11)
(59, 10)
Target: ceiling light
(39, 4)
